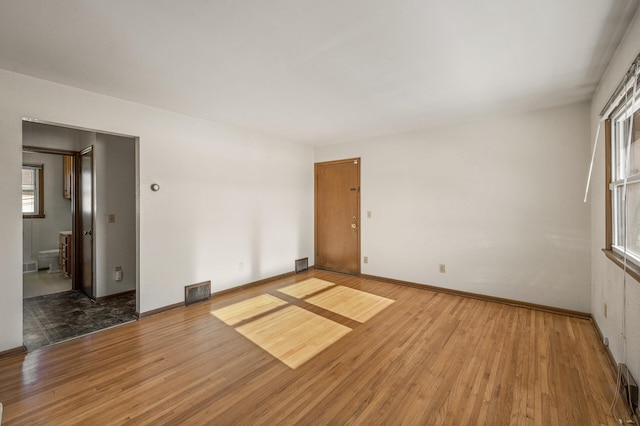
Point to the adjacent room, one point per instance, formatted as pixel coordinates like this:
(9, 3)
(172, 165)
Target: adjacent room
(63, 297)
(325, 212)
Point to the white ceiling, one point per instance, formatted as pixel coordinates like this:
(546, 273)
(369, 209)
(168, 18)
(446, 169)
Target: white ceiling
(321, 71)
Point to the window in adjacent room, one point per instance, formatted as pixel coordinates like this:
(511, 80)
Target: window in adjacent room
(32, 191)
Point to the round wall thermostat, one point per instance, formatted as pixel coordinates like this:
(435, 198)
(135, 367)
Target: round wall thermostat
(155, 187)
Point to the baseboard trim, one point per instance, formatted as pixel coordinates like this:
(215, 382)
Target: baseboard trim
(510, 302)
(111, 296)
(20, 350)
(253, 284)
(612, 361)
(219, 294)
(147, 314)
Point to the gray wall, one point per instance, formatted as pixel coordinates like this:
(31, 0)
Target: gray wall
(115, 192)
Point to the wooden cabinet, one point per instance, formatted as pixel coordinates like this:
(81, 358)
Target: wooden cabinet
(67, 176)
(65, 253)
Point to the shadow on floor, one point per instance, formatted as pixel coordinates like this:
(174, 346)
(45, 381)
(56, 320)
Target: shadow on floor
(56, 317)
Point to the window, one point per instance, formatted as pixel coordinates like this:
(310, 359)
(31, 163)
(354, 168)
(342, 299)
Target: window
(622, 150)
(33, 191)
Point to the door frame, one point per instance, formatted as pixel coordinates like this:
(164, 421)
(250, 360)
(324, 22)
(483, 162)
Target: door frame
(76, 211)
(136, 142)
(315, 206)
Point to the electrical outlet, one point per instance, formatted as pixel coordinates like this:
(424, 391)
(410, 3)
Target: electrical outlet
(366, 259)
(605, 310)
(443, 268)
(241, 266)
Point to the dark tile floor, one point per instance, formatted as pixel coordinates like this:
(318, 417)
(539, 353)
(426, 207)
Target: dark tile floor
(56, 317)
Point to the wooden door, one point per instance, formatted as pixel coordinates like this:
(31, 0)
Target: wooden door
(86, 220)
(337, 216)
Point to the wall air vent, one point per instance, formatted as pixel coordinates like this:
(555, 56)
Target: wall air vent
(302, 265)
(31, 266)
(195, 293)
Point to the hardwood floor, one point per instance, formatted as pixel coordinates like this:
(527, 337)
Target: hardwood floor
(427, 358)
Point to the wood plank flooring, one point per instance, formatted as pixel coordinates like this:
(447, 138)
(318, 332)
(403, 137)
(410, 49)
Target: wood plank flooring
(427, 358)
(350, 303)
(290, 333)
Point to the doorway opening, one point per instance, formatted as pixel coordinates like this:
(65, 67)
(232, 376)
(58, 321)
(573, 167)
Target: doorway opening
(80, 232)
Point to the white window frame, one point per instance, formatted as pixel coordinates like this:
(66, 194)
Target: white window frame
(38, 191)
(619, 144)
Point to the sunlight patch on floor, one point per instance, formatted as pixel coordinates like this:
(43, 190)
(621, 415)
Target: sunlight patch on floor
(305, 288)
(247, 309)
(293, 334)
(351, 303)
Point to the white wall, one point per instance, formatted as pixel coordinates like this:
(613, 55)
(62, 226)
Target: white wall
(228, 195)
(498, 201)
(607, 278)
(42, 233)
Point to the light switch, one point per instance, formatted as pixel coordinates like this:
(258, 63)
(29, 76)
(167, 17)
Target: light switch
(369, 214)
(112, 218)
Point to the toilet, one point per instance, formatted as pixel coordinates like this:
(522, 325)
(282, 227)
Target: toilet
(51, 258)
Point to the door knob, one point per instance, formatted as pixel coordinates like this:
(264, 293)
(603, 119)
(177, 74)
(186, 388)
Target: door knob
(354, 226)
(85, 233)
